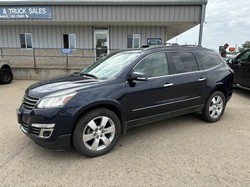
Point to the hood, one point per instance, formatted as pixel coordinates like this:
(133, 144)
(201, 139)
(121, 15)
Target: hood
(67, 83)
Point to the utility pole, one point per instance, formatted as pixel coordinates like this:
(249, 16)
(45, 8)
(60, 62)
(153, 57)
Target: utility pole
(203, 11)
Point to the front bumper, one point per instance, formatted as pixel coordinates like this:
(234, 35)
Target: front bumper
(49, 129)
(61, 143)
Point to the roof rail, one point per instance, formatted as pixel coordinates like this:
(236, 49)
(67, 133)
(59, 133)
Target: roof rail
(146, 46)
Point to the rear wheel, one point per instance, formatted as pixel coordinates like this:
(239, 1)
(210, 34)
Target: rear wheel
(97, 132)
(6, 76)
(214, 107)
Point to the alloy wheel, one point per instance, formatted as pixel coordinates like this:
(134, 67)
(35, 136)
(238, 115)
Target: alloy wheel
(216, 106)
(98, 133)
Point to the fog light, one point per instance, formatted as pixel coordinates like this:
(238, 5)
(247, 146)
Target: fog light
(45, 133)
(45, 129)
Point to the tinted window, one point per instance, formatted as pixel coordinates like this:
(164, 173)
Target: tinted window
(69, 41)
(207, 60)
(244, 57)
(183, 62)
(154, 65)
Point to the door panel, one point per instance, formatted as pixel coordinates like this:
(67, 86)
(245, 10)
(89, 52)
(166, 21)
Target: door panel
(164, 94)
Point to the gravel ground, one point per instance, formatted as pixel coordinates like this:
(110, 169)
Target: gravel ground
(183, 151)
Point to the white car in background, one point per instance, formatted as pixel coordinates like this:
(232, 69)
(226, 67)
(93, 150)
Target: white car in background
(6, 75)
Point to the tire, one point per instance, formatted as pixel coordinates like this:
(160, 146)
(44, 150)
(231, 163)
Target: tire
(97, 132)
(214, 107)
(6, 76)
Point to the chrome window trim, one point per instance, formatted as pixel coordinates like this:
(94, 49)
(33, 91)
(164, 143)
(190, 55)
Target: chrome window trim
(211, 67)
(185, 73)
(173, 74)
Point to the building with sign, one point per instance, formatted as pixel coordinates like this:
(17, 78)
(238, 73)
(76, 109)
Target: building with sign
(36, 31)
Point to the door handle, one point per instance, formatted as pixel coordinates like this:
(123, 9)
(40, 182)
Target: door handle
(168, 84)
(202, 79)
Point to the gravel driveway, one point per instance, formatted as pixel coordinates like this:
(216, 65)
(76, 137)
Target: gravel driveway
(183, 151)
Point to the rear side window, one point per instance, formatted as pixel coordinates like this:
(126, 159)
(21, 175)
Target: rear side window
(183, 62)
(207, 60)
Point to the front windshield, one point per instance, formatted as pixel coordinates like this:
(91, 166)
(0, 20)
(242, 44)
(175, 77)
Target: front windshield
(243, 57)
(112, 66)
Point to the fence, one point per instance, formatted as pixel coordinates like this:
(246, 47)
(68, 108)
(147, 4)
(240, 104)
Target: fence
(48, 58)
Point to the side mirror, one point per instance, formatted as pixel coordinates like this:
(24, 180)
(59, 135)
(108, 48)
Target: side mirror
(137, 76)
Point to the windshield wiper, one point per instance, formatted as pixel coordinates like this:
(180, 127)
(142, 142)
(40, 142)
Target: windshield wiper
(88, 75)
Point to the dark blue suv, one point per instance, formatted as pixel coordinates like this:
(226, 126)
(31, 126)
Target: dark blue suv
(92, 108)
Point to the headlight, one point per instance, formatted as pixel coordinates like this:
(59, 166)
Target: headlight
(55, 101)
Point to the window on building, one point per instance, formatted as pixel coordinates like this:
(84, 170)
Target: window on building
(130, 41)
(134, 41)
(26, 40)
(69, 41)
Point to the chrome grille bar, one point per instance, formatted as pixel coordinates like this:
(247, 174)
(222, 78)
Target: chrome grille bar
(29, 102)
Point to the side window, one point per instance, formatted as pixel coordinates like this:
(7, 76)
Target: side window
(153, 65)
(26, 40)
(183, 62)
(69, 41)
(207, 60)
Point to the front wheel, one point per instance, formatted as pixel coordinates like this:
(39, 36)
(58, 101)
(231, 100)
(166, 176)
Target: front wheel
(214, 107)
(97, 132)
(6, 76)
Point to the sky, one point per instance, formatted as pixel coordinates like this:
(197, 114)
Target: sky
(226, 21)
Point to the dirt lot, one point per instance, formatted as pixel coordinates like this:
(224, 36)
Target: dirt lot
(183, 151)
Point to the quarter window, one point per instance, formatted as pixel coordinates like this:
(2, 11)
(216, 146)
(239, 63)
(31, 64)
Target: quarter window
(183, 62)
(26, 40)
(69, 41)
(207, 60)
(134, 41)
(154, 65)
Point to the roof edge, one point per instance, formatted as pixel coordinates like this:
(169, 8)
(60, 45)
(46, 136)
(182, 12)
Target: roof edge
(101, 2)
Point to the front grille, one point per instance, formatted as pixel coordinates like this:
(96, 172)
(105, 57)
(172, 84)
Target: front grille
(29, 102)
(37, 131)
(33, 130)
(25, 127)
